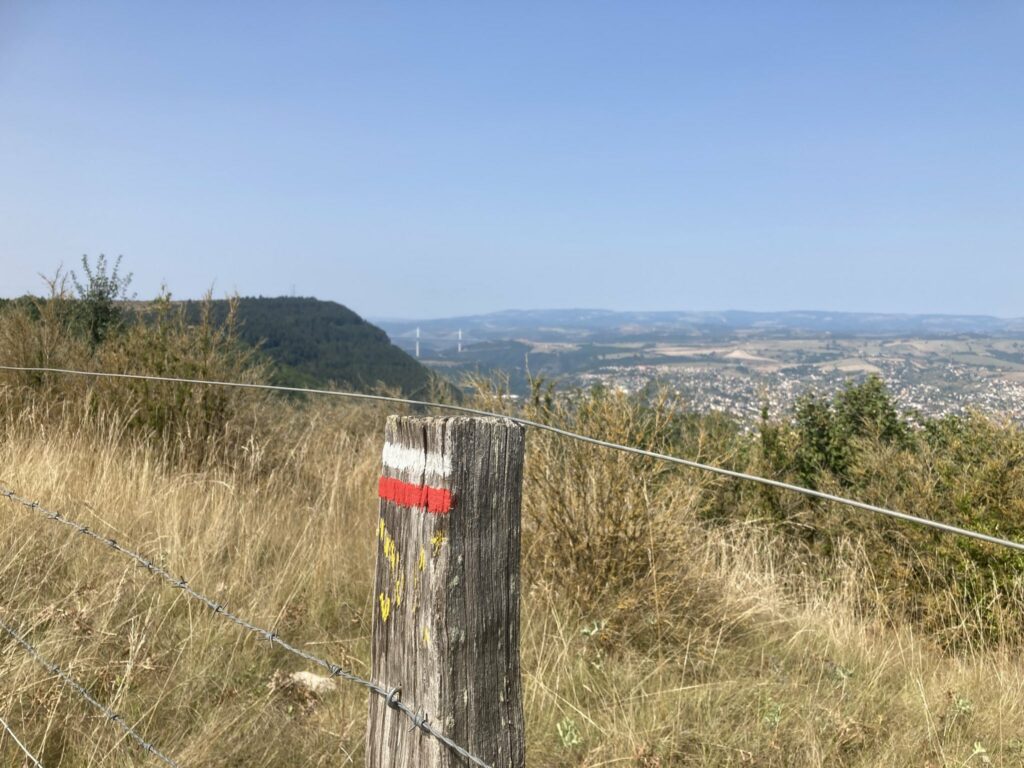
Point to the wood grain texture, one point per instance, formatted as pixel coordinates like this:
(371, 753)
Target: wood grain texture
(446, 596)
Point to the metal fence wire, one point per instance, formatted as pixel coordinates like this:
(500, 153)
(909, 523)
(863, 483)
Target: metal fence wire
(21, 746)
(110, 714)
(392, 696)
(853, 503)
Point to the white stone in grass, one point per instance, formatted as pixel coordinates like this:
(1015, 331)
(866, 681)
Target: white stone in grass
(318, 684)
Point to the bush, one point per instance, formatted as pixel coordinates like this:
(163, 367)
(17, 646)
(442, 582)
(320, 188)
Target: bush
(965, 471)
(100, 298)
(829, 430)
(194, 424)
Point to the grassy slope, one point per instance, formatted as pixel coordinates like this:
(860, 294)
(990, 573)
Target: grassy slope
(724, 656)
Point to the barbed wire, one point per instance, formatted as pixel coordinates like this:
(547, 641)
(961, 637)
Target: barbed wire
(110, 714)
(391, 696)
(852, 503)
(21, 746)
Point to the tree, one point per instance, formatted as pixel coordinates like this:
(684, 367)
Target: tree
(829, 430)
(99, 297)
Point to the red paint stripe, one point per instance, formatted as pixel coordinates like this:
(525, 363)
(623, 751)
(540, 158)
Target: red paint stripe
(437, 501)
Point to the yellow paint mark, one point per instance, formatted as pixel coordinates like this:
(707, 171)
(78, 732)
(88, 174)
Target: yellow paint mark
(398, 590)
(426, 637)
(390, 548)
(423, 559)
(385, 607)
(438, 540)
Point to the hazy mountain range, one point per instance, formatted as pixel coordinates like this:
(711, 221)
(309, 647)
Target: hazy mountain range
(607, 325)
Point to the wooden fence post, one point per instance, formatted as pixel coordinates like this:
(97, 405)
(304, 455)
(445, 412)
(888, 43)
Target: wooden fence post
(446, 595)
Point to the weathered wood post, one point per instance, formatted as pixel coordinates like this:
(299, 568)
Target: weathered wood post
(446, 596)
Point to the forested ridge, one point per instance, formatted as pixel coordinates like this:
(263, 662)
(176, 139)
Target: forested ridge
(315, 342)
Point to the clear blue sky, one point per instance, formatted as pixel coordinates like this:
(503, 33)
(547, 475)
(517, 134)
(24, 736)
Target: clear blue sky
(431, 158)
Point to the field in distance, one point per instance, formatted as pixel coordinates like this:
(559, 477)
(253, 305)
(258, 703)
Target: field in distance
(738, 361)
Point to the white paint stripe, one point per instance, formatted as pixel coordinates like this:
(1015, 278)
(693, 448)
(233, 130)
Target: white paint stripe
(400, 458)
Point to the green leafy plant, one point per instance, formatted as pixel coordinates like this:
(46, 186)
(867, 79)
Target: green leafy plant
(101, 291)
(772, 716)
(568, 733)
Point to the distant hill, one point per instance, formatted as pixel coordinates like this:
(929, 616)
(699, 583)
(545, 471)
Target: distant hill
(599, 325)
(315, 342)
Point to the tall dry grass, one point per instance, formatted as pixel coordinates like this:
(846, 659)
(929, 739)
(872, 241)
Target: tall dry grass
(650, 636)
(278, 548)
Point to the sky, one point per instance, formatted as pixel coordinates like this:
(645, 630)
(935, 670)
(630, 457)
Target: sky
(432, 159)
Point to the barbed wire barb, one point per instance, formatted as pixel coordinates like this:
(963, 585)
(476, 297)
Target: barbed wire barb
(21, 746)
(389, 694)
(84, 693)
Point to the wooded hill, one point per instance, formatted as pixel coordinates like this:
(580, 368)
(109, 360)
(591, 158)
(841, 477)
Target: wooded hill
(311, 342)
(315, 342)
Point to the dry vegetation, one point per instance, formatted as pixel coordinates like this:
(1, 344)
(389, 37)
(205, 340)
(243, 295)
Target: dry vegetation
(669, 619)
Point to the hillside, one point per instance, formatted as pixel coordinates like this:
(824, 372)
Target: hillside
(315, 342)
(670, 620)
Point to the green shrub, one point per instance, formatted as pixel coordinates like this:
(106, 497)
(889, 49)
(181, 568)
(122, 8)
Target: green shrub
(195, 424)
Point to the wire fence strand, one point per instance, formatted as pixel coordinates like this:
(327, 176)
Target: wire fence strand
(21, 746)
(852, 503)
(110, 714)
(419, 719)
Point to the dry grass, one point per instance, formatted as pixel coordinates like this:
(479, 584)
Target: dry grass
(688, 645)
(281, 550)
